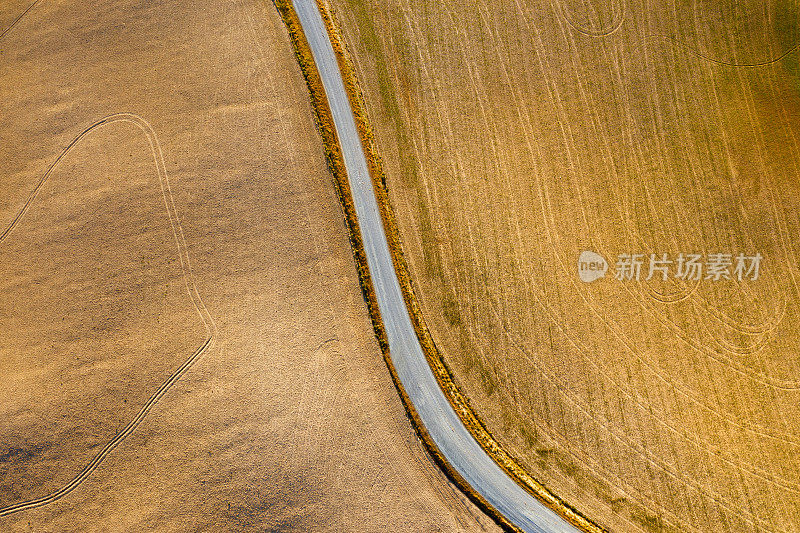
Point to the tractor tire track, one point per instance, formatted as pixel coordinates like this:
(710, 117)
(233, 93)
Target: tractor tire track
(188, 276)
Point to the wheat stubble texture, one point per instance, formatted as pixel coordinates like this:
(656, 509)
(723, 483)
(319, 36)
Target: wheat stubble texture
(517, 134)
(289, 420)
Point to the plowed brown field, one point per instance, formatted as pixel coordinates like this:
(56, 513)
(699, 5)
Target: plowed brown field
(169, 198)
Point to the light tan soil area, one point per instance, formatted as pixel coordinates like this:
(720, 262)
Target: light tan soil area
(516, 134)
(289, 421)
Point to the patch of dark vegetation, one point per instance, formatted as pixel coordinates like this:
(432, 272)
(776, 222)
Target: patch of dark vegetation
(21, 470)
(284, 526)
(433, 261)
(17, 455)
(287, 507)
(618, 504)
(451, 312)
(567, 466)
(545, 452)
(648, 521)
(528, 435)
(22, 452)
(788, 32)
(487, 379)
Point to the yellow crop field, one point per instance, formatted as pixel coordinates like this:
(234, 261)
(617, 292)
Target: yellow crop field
(657, 142)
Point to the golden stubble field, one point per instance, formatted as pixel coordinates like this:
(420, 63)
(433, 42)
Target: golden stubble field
(517, 134)
(186, 209)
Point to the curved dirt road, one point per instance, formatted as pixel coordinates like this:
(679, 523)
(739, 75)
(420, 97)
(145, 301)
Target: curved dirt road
(441, 421)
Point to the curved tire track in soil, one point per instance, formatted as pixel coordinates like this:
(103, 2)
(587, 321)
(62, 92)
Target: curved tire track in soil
(19, 17)
(205, 316)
